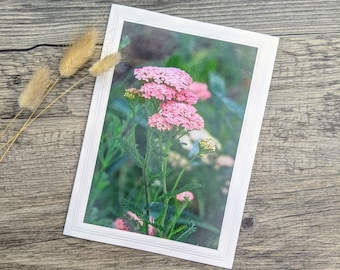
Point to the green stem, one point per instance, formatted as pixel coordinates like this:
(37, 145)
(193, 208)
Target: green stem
(181, 173)
(146, 175)
(165, 156)
(163, 215)
(165, 165)
(176, 217)
(136, 153)
(133, 135)
(178, 213)
(144, 164)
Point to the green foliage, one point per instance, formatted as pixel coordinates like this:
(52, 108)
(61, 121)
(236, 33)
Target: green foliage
(124, 42)
(128, 147)
(134, 208)
(102, 184)
(184, 231)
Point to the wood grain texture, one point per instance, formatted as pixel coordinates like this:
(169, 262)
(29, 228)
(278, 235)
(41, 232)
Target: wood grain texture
(292, 214)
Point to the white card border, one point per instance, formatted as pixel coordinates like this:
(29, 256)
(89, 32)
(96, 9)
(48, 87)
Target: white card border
(224, 255)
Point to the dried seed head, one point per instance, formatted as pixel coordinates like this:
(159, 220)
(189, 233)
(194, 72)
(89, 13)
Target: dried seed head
(31, 97)
(80, 51)
(105, 64)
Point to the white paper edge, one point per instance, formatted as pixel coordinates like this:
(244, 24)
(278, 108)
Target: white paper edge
(224, 255)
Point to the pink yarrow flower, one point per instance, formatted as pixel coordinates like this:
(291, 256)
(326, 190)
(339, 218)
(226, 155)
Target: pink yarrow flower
(159, 122)
(151, 229)
(120, 225)
(186, 96)
(133, 216)
(176, 114)
(200, 90)
(185, 196)
(164, 92)
(173, 77)
(158, 91)
(169, 85)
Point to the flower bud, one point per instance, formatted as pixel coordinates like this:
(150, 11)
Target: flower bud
(206, 146)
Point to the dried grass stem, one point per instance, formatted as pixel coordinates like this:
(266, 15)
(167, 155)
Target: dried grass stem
(29, 121)
(10, 123)
(12, 140)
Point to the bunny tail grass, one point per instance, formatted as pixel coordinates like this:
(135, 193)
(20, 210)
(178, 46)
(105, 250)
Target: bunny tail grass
(80, 51)
(105, 64)
(10, 123)
(31, 97)
(30, 120)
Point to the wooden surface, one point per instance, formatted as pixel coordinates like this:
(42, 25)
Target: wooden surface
(292, 214)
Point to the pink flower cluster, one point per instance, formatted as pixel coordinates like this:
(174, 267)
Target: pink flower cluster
(177, 114)
(120, 224)
(200, 90)
(166, 92)
(185, 196)
(170, 85)
(174, 77)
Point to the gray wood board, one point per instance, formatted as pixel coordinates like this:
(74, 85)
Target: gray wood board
(292, 214)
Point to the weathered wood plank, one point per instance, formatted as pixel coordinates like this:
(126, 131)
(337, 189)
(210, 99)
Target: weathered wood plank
(14, 76)
(28, 25)
(292, 215)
